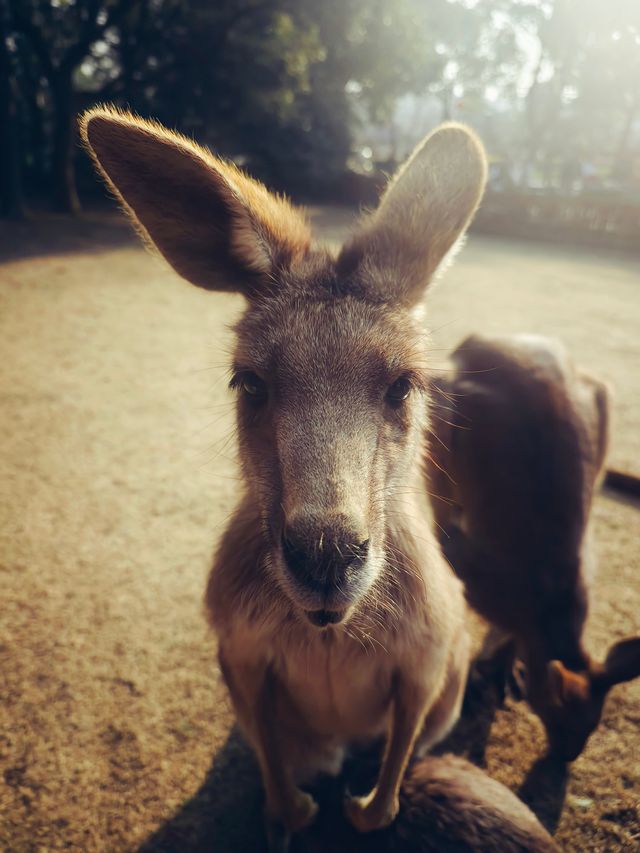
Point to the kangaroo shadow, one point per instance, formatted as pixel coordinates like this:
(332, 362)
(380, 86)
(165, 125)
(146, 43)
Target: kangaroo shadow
(224, 815)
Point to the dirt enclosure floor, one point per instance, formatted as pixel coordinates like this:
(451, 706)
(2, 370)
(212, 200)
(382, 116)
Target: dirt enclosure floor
(117, 474)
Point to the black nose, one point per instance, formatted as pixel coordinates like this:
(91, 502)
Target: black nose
(322, 563)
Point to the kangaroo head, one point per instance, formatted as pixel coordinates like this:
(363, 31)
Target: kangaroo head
(570, 703)
(329, 365)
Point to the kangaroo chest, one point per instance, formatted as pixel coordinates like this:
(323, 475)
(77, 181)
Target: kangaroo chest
(335, 688)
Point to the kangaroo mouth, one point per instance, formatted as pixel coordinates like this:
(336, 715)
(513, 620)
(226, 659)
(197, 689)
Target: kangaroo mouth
(322, 618)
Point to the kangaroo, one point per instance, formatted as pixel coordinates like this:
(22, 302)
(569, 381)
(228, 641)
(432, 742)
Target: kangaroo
(449, 804)
(337, 618)
(446, 804)
(521, 443)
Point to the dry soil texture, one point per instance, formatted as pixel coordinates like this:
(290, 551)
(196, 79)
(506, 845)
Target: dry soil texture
(117, 474)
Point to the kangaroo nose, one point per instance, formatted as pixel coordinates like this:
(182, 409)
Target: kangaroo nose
(322, 562)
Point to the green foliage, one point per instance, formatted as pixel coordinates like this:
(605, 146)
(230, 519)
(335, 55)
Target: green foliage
(287, 85)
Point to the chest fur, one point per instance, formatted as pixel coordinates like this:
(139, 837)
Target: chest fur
(338, 686)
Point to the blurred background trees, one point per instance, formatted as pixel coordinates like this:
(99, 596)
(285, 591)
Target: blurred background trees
(310, 95)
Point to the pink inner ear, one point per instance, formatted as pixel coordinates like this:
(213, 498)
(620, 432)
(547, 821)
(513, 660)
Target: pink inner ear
(556, 677)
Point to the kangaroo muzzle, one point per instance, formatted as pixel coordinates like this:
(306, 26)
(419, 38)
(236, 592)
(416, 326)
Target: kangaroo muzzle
(324, 560)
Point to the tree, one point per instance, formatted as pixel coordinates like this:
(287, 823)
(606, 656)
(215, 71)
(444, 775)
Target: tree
(11, 197)
(61, 35)
(289, 87)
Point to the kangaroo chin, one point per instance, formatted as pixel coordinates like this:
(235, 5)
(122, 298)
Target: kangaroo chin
(322, 618)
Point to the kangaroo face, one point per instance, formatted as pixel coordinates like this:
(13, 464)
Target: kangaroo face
(331, 411)
(570, 703)
(570, 721)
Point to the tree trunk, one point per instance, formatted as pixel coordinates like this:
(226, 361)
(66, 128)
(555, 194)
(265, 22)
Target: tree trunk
(11, 198)
(63, 175)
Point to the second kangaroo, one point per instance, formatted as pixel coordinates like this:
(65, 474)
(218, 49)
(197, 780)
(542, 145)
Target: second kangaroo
(521, 441)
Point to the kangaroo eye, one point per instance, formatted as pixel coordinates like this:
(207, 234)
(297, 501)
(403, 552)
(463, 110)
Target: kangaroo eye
(251, 385)
(398, 392)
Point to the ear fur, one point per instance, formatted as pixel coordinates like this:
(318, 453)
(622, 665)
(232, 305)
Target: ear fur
(556, 678)
(621, 664)
(424, 211)
(217, 227)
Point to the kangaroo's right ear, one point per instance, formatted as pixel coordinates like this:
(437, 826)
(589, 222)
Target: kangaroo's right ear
(218, 228)
(621, 664)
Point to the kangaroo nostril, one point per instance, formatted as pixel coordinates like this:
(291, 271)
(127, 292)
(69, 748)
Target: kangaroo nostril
(354, 554)
(295, 555)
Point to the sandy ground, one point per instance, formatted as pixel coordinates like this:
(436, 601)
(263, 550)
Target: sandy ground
(117, 474)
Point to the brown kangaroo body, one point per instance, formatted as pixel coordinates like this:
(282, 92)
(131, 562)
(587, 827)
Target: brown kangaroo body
(521, 444)
(338, 619)
(447, 805)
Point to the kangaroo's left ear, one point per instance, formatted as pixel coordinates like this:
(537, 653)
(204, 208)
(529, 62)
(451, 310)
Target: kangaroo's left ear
(563, 684)
(557, 681)
(425, 209)
(621, 664)
(216, 226)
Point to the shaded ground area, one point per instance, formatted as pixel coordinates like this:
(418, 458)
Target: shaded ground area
(117, 474)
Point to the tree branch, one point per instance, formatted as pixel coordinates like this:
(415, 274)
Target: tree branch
(93, 31)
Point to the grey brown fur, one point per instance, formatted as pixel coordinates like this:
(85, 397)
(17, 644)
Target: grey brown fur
(450, 806)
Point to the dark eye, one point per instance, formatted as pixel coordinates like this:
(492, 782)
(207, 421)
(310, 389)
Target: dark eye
(251, 385)
(398, 392)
